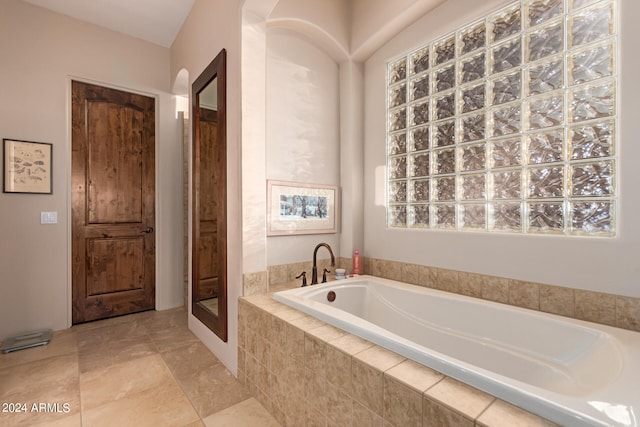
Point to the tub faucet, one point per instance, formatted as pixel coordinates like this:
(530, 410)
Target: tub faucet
(314, 272)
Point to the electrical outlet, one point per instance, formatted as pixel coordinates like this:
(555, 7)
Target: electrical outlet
(48, 217)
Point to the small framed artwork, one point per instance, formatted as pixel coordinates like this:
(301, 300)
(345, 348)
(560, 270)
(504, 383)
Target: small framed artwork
(296, 208)
(27, 167)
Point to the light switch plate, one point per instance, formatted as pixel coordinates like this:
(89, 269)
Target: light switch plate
(48, 217)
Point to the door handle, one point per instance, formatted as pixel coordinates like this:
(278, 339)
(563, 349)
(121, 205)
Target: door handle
(147, 230)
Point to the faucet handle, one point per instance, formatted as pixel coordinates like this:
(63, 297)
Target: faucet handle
(324, 275)
(304, 278)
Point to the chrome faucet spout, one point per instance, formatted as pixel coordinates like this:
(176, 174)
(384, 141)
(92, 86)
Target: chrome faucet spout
(314, 272)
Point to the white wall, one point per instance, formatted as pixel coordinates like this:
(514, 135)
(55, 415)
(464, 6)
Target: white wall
(323, 26)
(41, 51)
(329, 18)
(374, 22)
(210, 27)
(302, 129)
(598, 264)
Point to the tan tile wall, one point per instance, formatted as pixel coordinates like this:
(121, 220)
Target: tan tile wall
(262, 281)
(608, 309)
(306, 372)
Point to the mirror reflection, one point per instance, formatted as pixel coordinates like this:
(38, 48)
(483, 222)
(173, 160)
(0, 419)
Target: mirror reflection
(209, 279)
(208, 269)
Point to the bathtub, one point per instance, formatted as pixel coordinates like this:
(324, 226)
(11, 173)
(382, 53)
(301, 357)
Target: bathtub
(571, 372)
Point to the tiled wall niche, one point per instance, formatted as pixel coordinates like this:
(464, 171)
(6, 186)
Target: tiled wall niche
(308, 373)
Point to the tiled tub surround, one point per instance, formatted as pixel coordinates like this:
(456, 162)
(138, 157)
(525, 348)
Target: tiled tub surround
(306, 372)
(552, 366)
(598, 307)
(607, 309)
(260, 282)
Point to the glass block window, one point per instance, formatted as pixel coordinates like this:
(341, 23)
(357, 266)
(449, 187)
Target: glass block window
(508, 124)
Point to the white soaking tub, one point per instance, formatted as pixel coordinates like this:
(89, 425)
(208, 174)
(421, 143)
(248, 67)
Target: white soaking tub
(571, 372)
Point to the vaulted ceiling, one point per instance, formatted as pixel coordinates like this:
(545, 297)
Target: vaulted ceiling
(156, 21)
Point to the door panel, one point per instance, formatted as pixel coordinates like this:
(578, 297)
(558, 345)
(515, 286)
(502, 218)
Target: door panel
(113, 202)
(114, 173)
(114, 265)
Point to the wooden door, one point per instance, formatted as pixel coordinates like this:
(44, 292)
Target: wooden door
(113, 202)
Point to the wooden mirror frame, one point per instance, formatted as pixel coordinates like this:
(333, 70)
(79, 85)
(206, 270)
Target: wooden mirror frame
(215, 70)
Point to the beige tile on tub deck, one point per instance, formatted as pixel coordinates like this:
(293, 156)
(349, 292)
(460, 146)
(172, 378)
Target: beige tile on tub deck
(278, 274)
(402, 406)
(447, 280)
(339, 360)
(595, 307)
(628, 313)
(495, 289)
(557, 300)
(391, 269)
(502, 414)
(411, 274)
(524, 294)
(414, 375)
(339, 406)
(470, 284)
(459, 397)
(255, 283)
(427, 276)
(367, 377)
(364, 417)
(436, 415)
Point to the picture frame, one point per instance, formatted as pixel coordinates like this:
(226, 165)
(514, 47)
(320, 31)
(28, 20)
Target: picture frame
(27, 166)
(296, 208)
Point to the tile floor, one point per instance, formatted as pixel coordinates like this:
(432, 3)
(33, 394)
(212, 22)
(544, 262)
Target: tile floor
(145, 369)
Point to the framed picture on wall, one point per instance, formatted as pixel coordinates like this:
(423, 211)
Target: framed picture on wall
(27, 167)
(297, 208)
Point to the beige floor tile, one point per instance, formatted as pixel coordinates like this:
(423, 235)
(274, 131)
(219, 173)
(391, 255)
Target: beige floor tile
(113, 344)
(52, 381)
(119, 381)
(145, 369)
(163, 320)
(117, 332)
(30, 380)
(160, 406)
(33, 419)
(207, 382)
(171, 339)
(213, 390)
(110, 322)
(184, 362)
(247, 413)
(62, 342)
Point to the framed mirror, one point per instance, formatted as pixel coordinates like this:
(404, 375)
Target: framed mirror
(209, 201)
